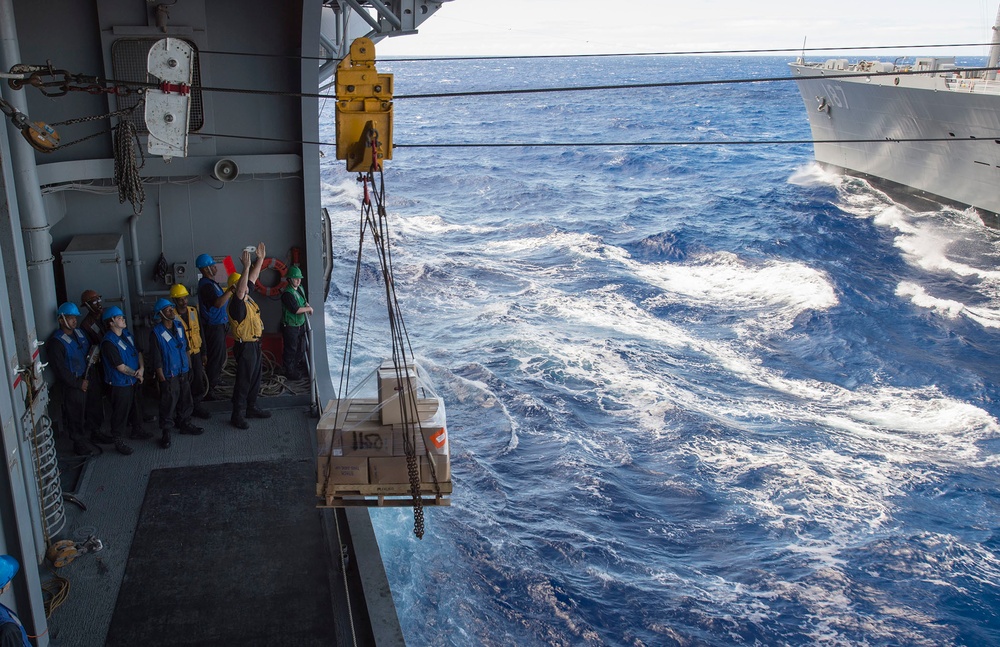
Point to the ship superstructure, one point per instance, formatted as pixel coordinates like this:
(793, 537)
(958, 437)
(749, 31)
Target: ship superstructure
(76, 214)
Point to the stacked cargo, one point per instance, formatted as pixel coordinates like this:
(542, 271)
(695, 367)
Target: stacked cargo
(364, 444)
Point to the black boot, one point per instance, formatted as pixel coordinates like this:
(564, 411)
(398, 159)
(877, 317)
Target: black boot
(257, 412)
(165, 440)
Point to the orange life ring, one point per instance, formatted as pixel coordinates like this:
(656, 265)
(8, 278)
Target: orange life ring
(276, 289)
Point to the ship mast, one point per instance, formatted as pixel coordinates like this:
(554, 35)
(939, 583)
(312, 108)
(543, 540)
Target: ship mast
(994, 49)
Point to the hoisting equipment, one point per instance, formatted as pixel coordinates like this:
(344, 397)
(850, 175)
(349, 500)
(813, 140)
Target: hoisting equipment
(364, 109)
(392, 450)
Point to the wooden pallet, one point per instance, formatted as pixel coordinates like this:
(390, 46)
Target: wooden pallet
(381, 495)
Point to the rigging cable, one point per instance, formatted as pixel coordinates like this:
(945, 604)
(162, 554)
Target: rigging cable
(378, 223)
(777, 50)
(693, 142)
(374, 219)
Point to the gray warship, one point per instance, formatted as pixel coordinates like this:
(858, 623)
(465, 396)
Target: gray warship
(217, 540)
(929, 128)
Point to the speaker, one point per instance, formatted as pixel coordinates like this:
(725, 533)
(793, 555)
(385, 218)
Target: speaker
(225, 170)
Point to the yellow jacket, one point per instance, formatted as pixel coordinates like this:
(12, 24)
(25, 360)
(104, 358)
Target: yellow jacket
(193, 328)
(251, 328)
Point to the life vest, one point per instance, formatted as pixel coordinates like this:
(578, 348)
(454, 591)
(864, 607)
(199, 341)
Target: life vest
(190, 321)
(9, 617)
(76, 350)
(173, 348)
(288, 317)
(93, 327)
(251, 328)
(130, 358)
(213, 316)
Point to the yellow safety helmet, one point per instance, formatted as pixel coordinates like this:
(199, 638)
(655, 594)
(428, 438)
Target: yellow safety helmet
(177, 290)
(234, 278)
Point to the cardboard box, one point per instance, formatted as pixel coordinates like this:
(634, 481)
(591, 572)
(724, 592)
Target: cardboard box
(442, 468)
(390, 383)
(359, 415)
(351, 411)
(344, 470)
(434, 439)
(366, 439)
(392, 412)
(388, 470)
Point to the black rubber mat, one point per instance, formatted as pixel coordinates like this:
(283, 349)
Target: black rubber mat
(227, 555)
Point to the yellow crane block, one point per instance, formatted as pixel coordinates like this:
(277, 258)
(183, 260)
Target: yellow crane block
(364, 109)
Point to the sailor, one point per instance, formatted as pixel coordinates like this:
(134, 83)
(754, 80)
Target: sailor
(12, 633)
(294, 308)
(246, 327)
(169, 358)
(69, 351)
(212, 309)
(123, 370)
(93, 327)
(189, 319)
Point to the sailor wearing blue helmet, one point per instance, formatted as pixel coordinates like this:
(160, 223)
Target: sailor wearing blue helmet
(169, 357)
(123, 371)
(212, 301)
(69, 349)
(12, 633)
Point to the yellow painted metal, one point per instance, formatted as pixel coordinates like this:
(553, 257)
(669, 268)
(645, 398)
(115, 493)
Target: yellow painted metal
(364, 109)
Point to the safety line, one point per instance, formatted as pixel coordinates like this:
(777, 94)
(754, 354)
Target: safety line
(733, 142)
(508, 57)
(677, 84)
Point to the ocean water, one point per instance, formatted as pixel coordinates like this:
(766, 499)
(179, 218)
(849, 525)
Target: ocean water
(696, 395)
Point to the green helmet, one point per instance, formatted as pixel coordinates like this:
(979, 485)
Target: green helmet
(294, 272)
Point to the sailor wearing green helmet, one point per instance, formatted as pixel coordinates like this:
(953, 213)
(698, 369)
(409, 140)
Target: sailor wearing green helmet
(294, 308)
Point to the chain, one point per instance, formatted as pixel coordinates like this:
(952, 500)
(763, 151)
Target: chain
(126, 170)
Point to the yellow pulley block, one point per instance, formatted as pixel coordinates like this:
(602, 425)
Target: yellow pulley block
(62, 553)
(42, 137)
(364, 109)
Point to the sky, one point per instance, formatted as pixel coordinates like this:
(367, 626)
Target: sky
(535, 27)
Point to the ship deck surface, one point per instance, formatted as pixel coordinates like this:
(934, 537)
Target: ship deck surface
(114, 487)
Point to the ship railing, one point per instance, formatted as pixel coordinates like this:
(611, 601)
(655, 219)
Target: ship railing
(973, 86)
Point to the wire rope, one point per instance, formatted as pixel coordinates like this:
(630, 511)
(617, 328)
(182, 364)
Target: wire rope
(704, 52)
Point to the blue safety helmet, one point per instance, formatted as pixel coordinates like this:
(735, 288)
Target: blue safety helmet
(113, 311)
(204, 260)
(68, 310)
(8, 569)
(162, 303)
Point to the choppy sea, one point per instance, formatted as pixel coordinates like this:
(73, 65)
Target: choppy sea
(696, 395)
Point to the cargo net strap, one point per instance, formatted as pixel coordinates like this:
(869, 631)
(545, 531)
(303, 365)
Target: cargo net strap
(374, 220)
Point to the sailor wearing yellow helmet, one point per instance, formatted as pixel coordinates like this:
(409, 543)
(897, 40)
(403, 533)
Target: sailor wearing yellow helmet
(246, 327)
(189, 319)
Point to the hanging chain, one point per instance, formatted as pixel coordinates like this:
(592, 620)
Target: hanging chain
(126, 170)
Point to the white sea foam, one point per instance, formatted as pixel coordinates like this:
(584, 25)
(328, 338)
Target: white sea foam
(929, 241)
(813, 174)
(776, 291)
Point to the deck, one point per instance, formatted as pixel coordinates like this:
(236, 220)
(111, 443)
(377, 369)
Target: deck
(114, 487)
